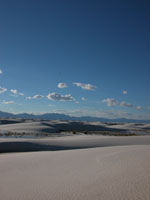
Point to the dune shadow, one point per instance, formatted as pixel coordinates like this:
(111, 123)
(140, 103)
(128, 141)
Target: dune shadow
(80, 126)
(12, 147)
(24, 146)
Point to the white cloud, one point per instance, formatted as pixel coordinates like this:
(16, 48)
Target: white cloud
(16, 93)
(114, 102)
(37, 96)
(139, 107)
(58, 97)
(125, 92)
(110, 102)
(123, 103)
(2, 90)
(85, 86)
(62, 85)
(83, 99)
(29, 98)
(8, 102)
(21, 94)
(1, 71)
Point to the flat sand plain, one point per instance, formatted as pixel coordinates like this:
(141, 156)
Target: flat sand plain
(76, 168)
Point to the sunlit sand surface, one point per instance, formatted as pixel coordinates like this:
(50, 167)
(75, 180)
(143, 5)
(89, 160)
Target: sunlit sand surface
(114, 168)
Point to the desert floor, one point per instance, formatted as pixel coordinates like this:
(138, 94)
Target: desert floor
(75, 168)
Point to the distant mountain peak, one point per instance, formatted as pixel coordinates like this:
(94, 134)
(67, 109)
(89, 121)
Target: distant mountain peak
(58, 116)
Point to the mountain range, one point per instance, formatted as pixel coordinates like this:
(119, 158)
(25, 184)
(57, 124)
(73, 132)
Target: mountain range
(58, 116)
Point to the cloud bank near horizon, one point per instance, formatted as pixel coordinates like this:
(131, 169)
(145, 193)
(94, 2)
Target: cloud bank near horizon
(78, 101)
(113, 102)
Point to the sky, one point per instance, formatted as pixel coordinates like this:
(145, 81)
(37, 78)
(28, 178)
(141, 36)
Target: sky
(83, 57)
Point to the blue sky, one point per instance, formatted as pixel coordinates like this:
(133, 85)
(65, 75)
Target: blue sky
(100, 50)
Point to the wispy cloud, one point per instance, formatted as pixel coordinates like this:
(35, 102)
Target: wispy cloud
(62, 85)
(21, 94)
(13, 91)
(8, 102)
(85, 86)
(123, 103)
(58, 97)
(125, 92)
(83, 99)
(110, 102)
(114, 102)
(16, 93)
(37, 96)
(1, 71)
(139, 107)
(2, 90)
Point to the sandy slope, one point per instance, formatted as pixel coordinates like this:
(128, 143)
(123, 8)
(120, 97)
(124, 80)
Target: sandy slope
(108, 173)
(29, 127)
(69, 142)
(55, 126)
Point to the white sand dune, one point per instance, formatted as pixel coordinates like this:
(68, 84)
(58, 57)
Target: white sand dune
(56, 126)
(108, 173)
(129, 126)
(69, 142)
(29, 127)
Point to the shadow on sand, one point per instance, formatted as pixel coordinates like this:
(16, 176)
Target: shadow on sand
(12, 147)
(27, 146)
